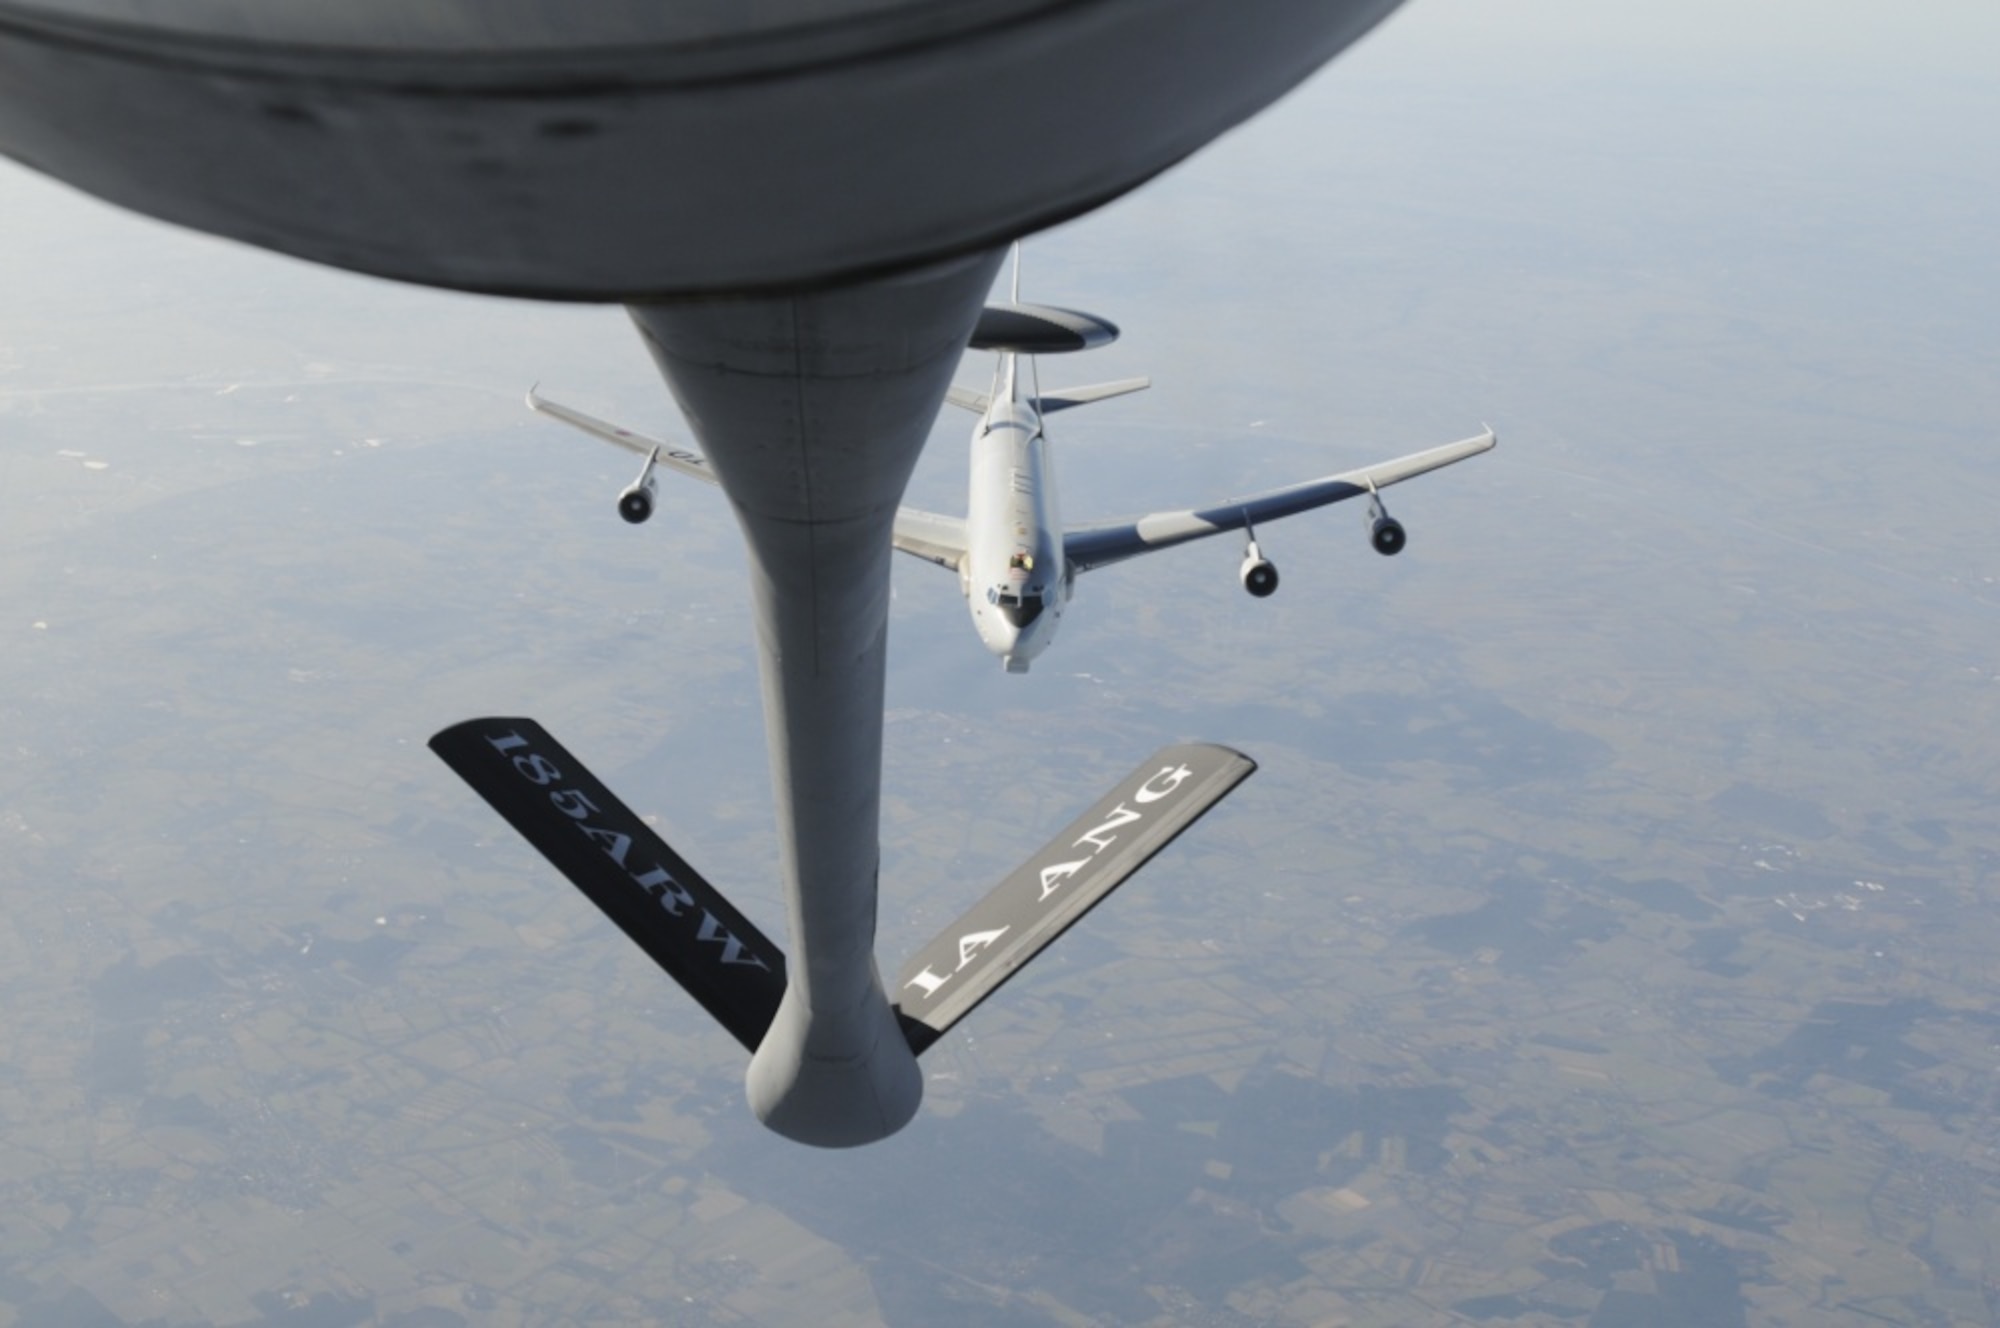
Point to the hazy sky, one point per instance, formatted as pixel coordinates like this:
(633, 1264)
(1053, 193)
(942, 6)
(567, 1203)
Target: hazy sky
(1606, 934)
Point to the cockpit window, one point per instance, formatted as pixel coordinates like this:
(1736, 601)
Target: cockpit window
(1019, 610)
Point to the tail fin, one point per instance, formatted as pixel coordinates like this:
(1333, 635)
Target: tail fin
(621, 866)
(1052, 890)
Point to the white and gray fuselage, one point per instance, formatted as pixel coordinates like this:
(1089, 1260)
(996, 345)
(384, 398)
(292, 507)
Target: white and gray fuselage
(1015, 581)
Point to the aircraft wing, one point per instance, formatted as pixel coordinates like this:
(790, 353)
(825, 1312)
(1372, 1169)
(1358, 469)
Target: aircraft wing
(1096, 546)
(673, 458)
(927, 535)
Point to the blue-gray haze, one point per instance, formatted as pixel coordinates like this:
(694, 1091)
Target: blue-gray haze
(1605, 941)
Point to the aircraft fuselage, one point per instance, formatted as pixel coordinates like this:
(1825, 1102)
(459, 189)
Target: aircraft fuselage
(1016, 583)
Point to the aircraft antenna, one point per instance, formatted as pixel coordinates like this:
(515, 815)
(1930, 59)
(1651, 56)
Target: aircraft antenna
(1017, 272)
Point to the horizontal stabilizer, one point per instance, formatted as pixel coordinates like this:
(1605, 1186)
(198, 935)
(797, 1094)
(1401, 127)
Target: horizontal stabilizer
(1083, 396)
(966, 398)
(1046, 895)
(621, 866)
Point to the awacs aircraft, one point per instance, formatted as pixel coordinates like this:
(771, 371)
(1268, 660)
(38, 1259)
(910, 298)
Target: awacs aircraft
(1017, 565)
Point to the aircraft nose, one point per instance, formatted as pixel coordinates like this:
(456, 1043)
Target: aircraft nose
(999, 639)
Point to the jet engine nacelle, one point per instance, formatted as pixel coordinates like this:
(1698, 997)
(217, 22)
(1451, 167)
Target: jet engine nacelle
(1385, 532)
(1258, 574)
(635, 504)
